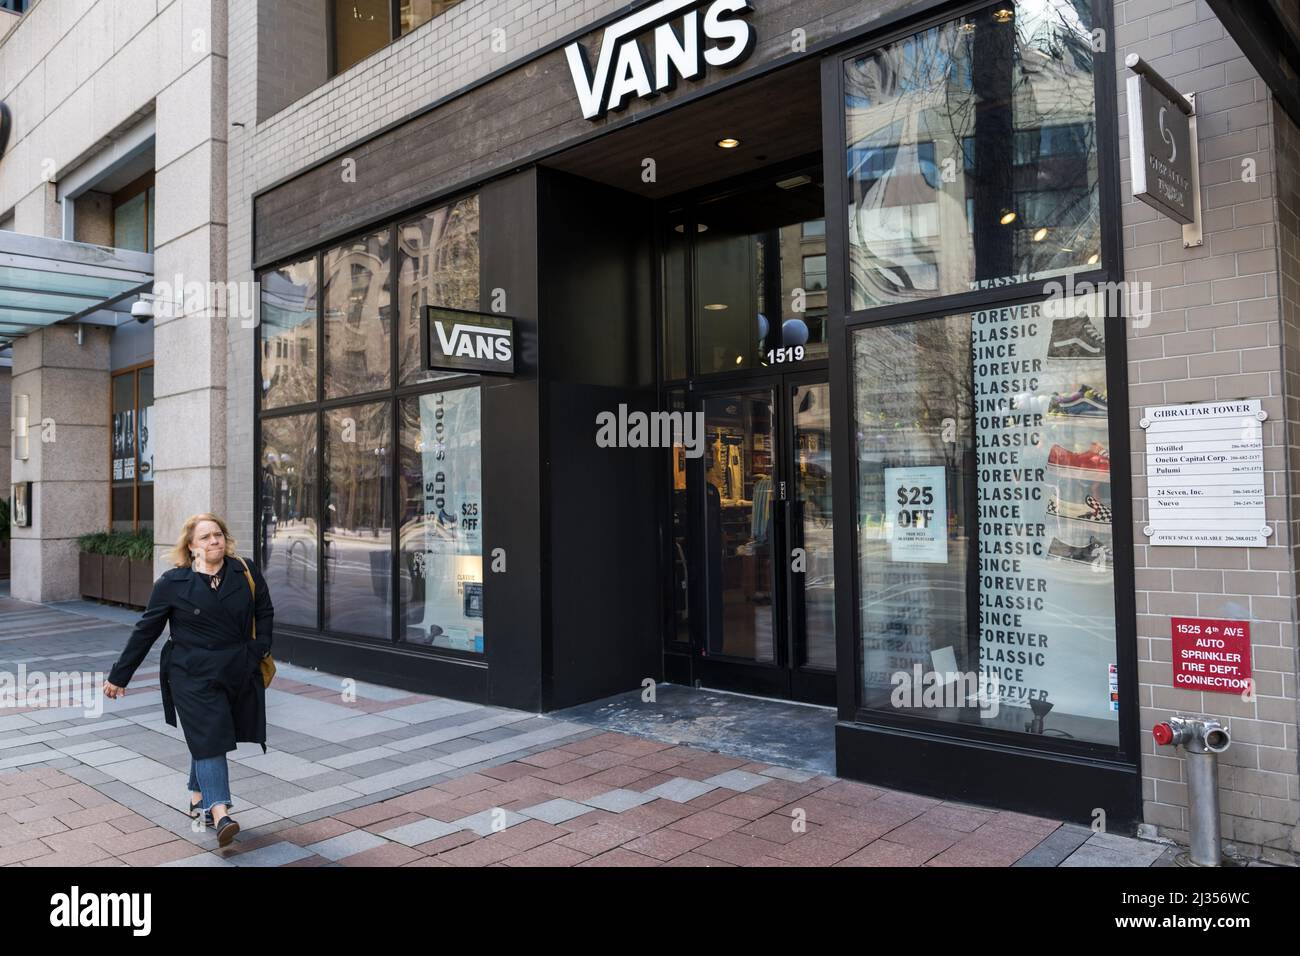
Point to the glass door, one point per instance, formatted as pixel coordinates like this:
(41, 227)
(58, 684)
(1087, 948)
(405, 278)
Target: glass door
(762, 504)
(810, 523)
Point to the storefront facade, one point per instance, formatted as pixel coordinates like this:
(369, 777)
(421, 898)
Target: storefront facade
(883, 265)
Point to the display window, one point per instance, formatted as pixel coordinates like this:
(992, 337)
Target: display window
(441, 536)
(972, 155)
(131, 449)
(985, 531)
(370, 480)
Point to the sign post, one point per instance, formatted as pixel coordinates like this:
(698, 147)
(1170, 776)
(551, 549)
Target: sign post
(1163, 155)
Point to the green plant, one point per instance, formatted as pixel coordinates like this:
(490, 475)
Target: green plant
(141, 546)
(93, 543)
(138, 546)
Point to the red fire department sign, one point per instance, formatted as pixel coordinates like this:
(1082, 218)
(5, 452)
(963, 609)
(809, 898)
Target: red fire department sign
(1211, 655)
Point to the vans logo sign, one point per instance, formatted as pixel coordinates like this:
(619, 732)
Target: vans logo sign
(688, 36)
(468, 341)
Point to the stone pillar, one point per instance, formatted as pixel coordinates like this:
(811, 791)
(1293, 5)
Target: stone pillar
(66, 385)
(190, 248)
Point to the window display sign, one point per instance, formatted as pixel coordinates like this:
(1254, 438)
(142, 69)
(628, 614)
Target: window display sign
(459, 341)
(444, 540)
(22, 498)
(146, 444)
(1205, 474)
(1211, 655)
(124, 445)
(918, 528)
(1046, 559)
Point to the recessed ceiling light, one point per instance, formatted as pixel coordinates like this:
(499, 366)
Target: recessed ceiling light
(740, 359)
(1092, 259)
(728, 142)
(1008, 217)
(716, 306)
(1003, 16)
(699, 227)
(1041, 234)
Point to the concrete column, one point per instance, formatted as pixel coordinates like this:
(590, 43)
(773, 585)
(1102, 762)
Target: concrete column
(66, 385)
(190, 248)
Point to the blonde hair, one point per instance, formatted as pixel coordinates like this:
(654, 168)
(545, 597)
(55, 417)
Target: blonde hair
(180, 554)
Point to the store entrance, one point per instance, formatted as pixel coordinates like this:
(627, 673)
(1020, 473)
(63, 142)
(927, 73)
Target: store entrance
(745, 312)
(765, 523)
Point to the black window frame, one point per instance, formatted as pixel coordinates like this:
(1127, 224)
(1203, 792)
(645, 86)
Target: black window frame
(845, 321)
(393, 395)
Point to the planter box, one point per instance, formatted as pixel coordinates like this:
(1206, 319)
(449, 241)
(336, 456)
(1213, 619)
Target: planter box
(92, 575)
(141, 582)
(117, 579)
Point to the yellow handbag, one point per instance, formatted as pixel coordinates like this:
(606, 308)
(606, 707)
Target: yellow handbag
(267, 663)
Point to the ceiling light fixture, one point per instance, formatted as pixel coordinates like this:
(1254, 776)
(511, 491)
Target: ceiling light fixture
(1008, 217)
(728, 142)
(716, 307)
(1041, 234)
(793, 181)
(1003, 16)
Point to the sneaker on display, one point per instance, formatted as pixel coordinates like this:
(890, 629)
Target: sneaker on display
(1094, 552)
(1087, 401)
(1096, 458)
(1075, 338)
(1092, 510)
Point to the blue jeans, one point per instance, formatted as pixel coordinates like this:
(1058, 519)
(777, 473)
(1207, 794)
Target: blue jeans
(211, 777)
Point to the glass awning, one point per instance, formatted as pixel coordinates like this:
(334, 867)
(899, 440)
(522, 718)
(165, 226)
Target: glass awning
(44, 281)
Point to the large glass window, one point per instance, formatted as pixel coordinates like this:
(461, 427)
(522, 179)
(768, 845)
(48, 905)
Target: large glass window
(437, 265)
(358, 526)
(131, 487)
(326, 507)
(289, 489)
(133, 215)
(984, 520)
(288, 334)
(972, 154)
(759, 278)
(357, 316)
(363, 27)
(441, 540)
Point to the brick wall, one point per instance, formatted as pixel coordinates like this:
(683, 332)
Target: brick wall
(1215, 333)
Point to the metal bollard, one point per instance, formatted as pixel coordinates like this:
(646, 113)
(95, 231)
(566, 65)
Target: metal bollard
(1203, 740)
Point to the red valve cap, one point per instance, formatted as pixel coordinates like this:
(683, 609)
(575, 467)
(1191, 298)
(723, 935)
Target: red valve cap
(1163, 733)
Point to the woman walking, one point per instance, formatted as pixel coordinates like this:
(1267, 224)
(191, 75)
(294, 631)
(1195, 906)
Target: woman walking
(210, 670)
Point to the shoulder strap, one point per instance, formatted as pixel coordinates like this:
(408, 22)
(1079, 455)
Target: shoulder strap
(251, 587)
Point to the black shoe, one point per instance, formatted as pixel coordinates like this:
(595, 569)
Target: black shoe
(194, 812)
(207, 814)
(1075, 338)
(227, 827)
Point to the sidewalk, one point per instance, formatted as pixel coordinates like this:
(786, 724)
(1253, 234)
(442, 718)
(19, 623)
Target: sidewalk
(399, 779)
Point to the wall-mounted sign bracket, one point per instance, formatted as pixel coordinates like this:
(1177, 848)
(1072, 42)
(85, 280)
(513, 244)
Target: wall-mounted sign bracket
(1163, 154)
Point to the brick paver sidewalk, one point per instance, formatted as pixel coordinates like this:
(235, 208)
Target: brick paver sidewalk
(388, 778)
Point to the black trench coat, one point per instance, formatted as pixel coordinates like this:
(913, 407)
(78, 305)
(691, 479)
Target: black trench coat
(210, 670)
